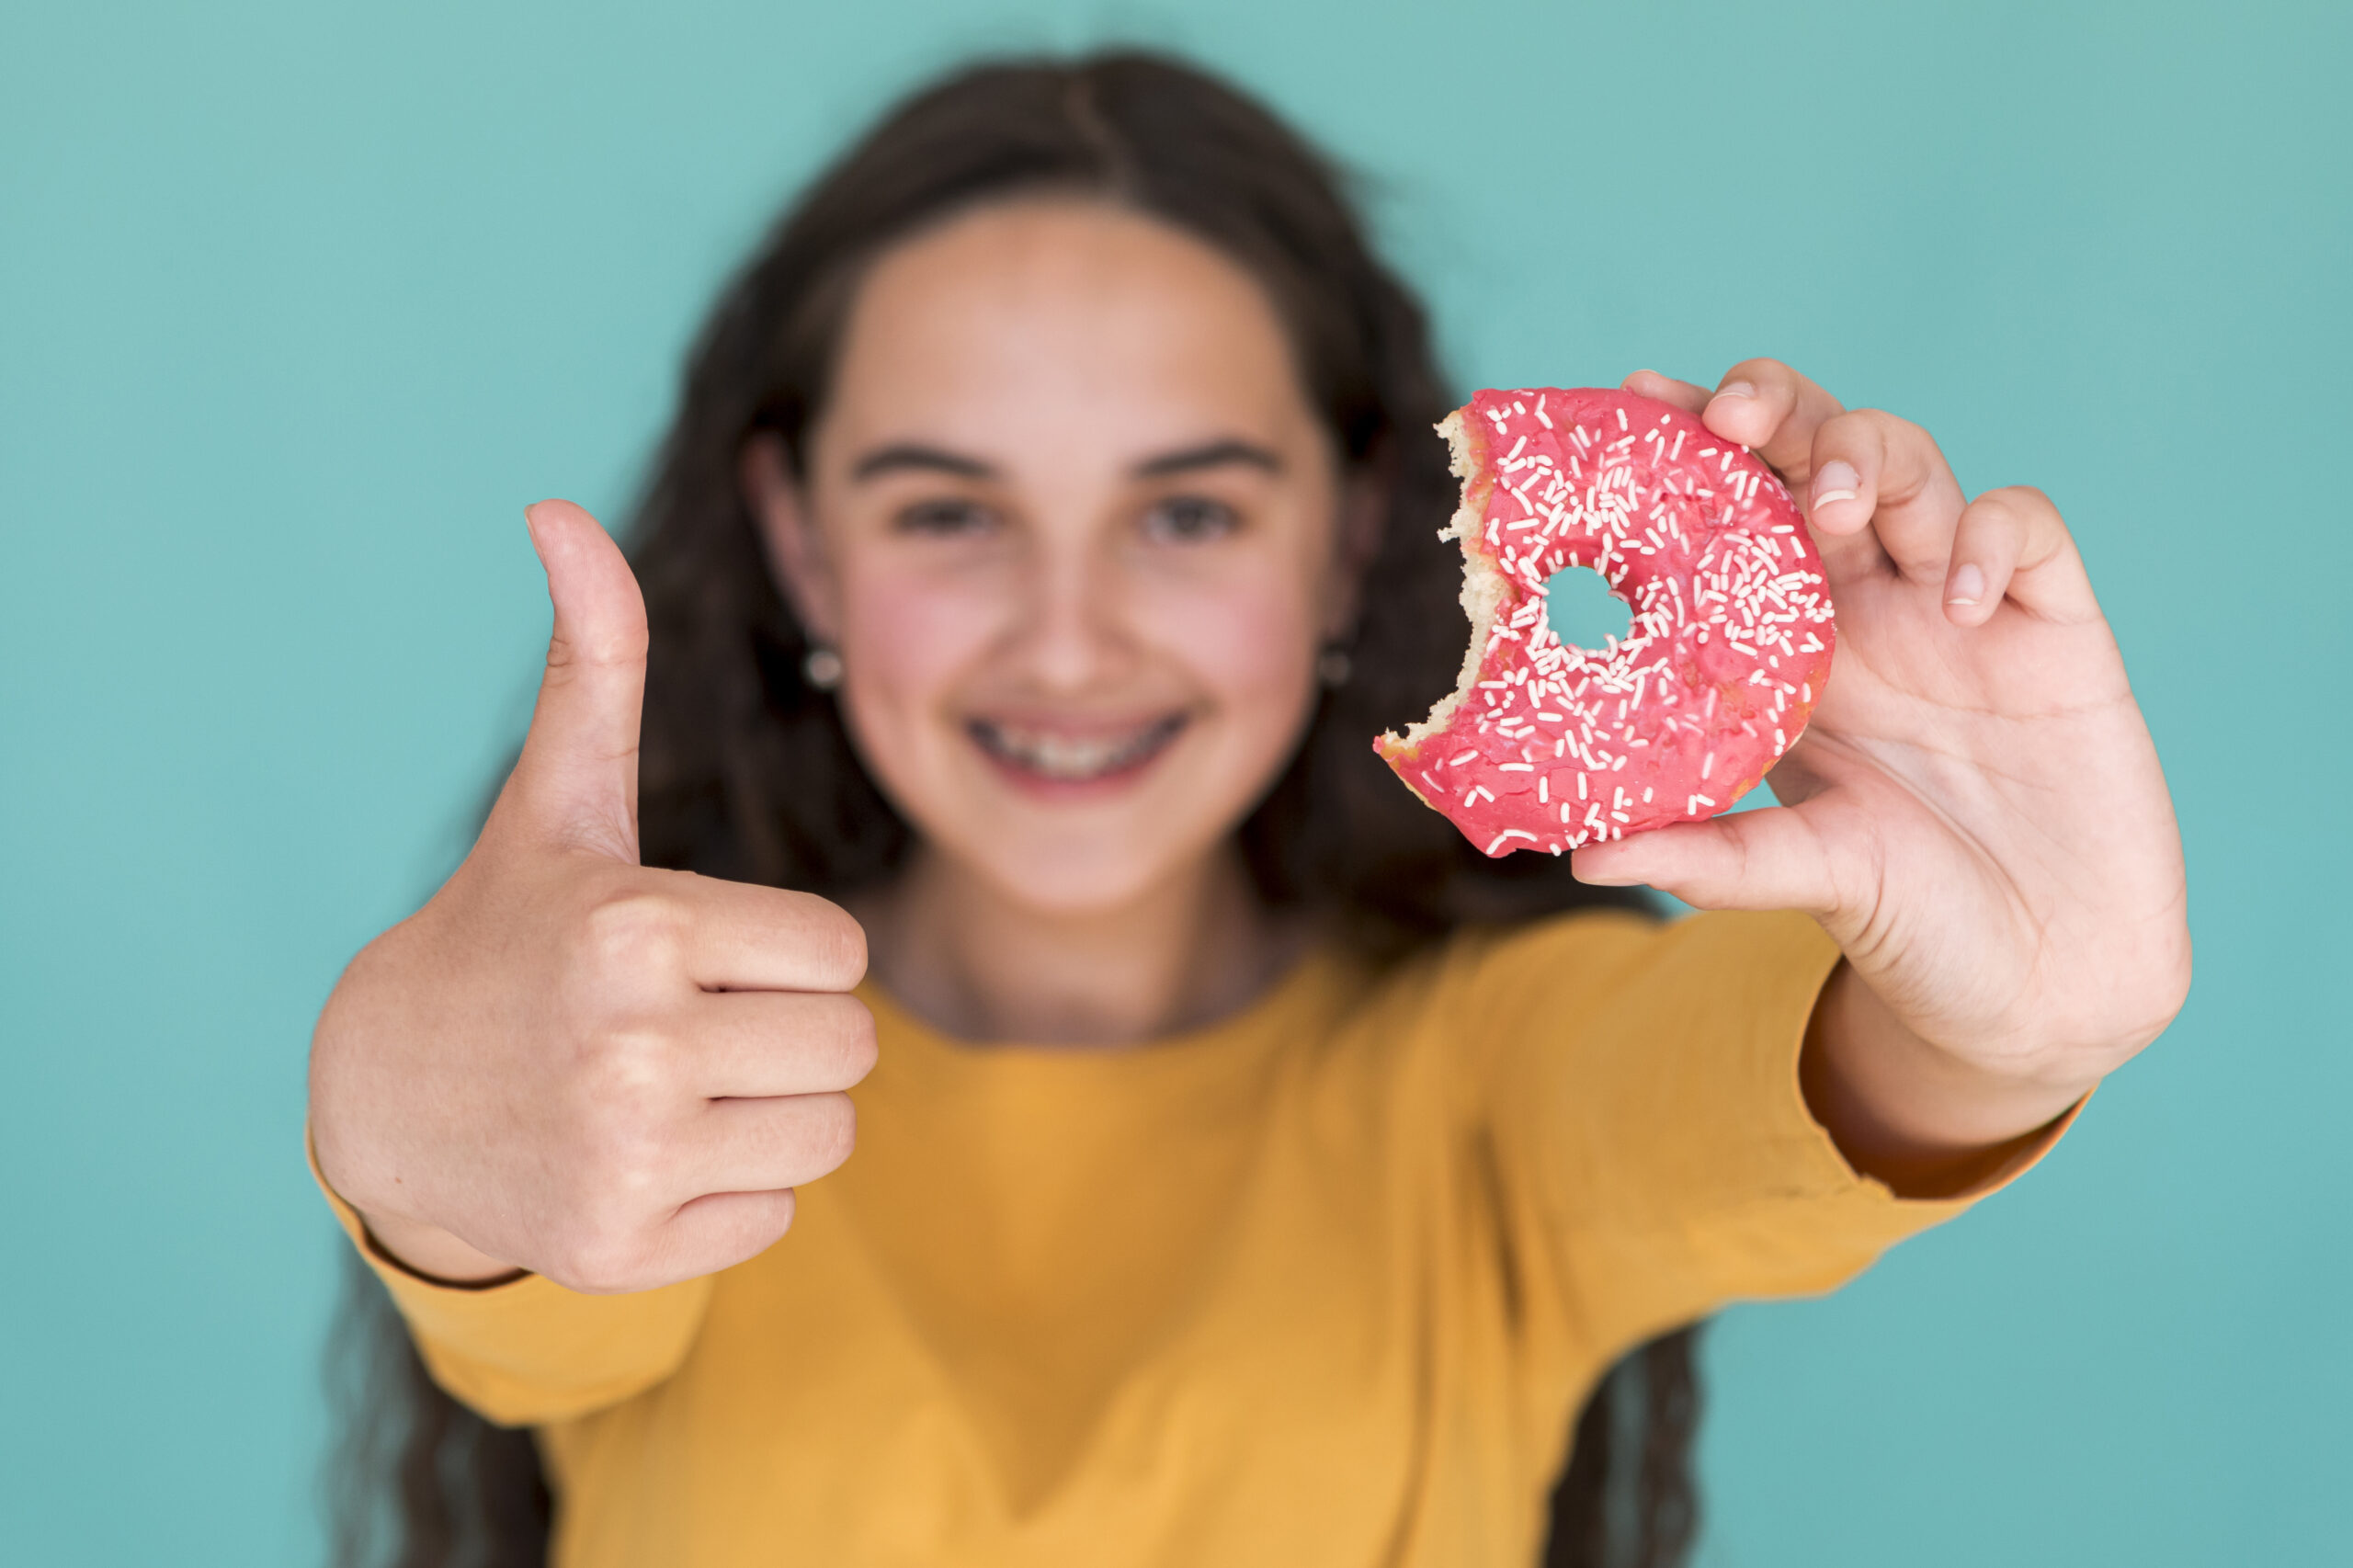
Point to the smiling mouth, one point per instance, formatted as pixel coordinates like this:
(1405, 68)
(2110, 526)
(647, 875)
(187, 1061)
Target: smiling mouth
(1073, 759)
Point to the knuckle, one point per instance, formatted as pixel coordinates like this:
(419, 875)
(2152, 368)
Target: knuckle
(1868, 438)
(861, 1048)
(617, 1153)
(2023, 502)
(628, 1157)
(833, 939)
(633, 928)
(776, 1220)
(830, 1134)
(625, 1068)
(598, 1261)
(754, 1221)
(839, 1039)
(1848, 435)
(1890, 428)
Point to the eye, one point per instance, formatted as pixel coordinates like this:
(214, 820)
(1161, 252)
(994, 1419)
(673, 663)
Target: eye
(946, 518)
(1190, 519)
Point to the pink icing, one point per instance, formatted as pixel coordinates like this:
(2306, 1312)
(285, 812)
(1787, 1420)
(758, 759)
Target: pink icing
(1550, 745)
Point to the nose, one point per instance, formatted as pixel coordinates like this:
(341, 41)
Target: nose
(1069, 636)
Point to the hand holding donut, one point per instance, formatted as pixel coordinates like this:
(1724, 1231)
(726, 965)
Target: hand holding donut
(1976, 813)
(570, 1063)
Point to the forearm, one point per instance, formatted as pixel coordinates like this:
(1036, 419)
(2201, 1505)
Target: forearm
(1927, 1122)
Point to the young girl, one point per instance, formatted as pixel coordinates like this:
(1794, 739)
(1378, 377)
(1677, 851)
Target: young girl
(1247, 1171)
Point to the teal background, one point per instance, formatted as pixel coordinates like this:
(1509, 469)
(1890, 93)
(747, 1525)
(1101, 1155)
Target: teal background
(300, 304)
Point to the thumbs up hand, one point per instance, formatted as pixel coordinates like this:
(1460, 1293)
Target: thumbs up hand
(570, 1063)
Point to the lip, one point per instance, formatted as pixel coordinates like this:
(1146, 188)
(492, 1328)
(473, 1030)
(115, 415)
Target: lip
(1059, 761)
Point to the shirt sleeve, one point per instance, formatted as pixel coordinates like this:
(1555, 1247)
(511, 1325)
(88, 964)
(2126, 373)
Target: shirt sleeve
(1656, 1155)
(526, 1351)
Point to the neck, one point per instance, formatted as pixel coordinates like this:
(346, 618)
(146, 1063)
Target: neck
(977, 964)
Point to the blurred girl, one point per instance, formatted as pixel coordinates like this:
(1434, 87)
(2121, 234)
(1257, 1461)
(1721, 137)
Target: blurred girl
(1247, 1171)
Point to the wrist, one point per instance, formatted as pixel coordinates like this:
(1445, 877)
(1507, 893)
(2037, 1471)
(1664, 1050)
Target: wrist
(412, 1246)
(1925, 1120)
(431, 1253)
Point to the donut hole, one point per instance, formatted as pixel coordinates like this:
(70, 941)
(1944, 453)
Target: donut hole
(1583, 611)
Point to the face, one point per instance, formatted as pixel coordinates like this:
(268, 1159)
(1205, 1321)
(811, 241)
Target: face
(1075, 531)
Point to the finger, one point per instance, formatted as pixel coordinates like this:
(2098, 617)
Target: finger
(764, 1144)
(1761, 860)
(744, 938)
(700, 1237)
(1902, 487)
(1774, 412)
(764, 1044)
(577, 782)
(2012, 542)
(1686, 395)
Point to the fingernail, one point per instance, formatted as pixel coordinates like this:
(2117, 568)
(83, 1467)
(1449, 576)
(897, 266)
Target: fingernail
(1735, 389)
(1966, 586)
(1835, 481)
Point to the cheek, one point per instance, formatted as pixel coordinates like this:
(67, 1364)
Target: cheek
(1249, 641)
(907, 639)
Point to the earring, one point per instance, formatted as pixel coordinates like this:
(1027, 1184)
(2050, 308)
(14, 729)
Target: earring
(1333, 666)
(822, 667)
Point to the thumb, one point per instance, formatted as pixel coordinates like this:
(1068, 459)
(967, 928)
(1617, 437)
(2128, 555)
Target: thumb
(576, 783)
(1771, 858)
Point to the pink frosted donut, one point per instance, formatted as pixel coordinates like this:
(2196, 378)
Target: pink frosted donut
(1545, 745)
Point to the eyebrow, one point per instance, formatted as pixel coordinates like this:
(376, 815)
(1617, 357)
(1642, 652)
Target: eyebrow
(1212, 454)
(911, 457)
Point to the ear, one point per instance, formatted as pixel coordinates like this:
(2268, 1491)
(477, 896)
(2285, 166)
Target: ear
(1364, 505)
(796, 551)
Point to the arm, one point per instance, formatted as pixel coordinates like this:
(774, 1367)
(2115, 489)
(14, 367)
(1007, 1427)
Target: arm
(1976, 815)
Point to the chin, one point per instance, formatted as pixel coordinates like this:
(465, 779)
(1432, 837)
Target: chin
(1070, 874)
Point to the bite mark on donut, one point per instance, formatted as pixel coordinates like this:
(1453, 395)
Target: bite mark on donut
(1543, 745)
(1484, 588)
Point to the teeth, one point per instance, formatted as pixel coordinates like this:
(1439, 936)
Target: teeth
(1071, 758)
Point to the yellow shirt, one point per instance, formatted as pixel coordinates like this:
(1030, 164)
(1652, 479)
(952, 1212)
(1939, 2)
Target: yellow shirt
(1321, 1284)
